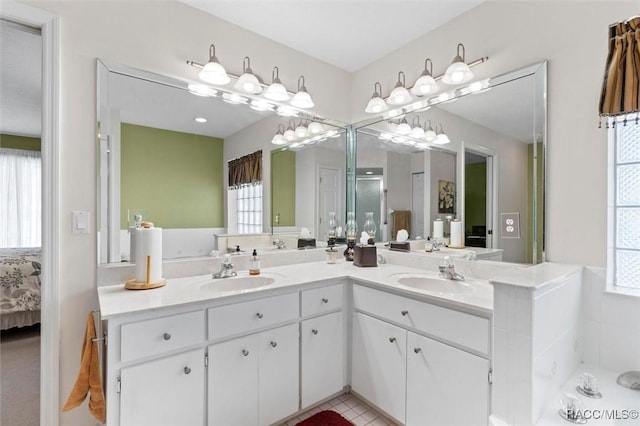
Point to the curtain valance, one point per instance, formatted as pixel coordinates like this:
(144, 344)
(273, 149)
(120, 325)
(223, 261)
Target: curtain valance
(245, 170)
(621, 87)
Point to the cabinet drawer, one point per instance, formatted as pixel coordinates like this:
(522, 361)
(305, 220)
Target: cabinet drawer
(453, 326)
(319, 300)
(161, 335)
(244, 317)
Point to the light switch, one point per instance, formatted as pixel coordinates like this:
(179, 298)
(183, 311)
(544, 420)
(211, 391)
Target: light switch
(80, 222)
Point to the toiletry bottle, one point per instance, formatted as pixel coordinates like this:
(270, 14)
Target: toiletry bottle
(254, 264)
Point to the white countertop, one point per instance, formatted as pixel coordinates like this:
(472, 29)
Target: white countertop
(615, 398)
(537, 276)
(116, 301)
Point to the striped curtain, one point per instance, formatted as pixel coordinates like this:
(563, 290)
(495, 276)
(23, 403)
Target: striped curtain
(245, 170)
(621, 87)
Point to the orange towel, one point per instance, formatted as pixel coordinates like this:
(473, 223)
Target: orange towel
(89, 379)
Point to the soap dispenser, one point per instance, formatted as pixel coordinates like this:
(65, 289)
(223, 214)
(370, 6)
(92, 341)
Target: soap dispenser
(254, 263)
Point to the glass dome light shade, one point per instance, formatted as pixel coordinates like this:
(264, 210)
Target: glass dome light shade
(276, 91)
(302, 99)
(290, 135)
(376, 103)
(441, 137)
(429, 134)
(399, 96)
(425, 84)
(248, 83)
(458, 72)
(213, 72)
(315, 127)
(278, 138)
(417, 132)
(403, 127)
(301, 131)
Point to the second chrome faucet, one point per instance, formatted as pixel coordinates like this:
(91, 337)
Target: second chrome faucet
(448, 271)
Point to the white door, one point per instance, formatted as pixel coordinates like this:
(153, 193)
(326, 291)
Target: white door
(233, 383)
(378, 365)
(417, 206)
(278, 373)
(322, 357)
(445, 385)
(329, 200)
(168, 391)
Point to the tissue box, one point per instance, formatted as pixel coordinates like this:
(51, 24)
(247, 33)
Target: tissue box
(400, 246)
(365, 255)
(306, 242)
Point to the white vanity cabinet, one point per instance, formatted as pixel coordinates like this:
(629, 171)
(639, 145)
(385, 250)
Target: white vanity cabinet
(167, 391)
(379, 364)
(445, 385)
(420, 380)
(322, 344)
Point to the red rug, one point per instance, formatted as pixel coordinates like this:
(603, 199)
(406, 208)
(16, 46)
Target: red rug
(325, 418)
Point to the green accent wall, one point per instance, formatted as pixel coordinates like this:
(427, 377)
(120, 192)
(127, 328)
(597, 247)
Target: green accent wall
(283, 188)
(19, 142)
(539, 214)
(475, 195)
(176, 178)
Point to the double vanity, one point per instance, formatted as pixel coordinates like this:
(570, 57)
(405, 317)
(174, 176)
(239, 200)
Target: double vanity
(256, 350)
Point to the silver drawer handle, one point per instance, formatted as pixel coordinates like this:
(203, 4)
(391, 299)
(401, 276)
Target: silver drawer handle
(166, 336)
(245, 352)
(417, 350)
(187, 370)
(259, 315)
(404, 313)
(325, 300)
(314, 331)
(392, 339)
(274, 344)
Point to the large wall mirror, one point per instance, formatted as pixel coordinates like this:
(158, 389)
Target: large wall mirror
(490, 175)
(159, 159)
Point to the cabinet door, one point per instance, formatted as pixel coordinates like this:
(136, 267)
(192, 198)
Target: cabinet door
(168, 391)
(322, 357)
(378, 364)
(445, 385)
(233, 383)
(278, 373)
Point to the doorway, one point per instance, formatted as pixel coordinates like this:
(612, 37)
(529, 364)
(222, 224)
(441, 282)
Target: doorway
(478, 195)
(417, 206)
(369, 187)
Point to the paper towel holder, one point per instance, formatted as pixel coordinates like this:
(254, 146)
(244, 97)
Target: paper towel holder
(133, 284)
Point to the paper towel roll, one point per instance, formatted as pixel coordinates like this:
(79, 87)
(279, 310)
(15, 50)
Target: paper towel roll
(456, 234)
(148, 254)
(132, 244)
(438, 228)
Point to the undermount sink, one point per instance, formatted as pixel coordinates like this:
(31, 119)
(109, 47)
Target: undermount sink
(240, 283)
(433, 284)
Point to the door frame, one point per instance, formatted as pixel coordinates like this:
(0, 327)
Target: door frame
(492, 220)
(49, 25)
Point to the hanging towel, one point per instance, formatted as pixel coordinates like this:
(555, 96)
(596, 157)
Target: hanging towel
(401, 220)
(89, 379)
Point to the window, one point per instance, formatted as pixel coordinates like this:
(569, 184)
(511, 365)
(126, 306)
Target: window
(20, 192)
(624, 255)
(249, 208)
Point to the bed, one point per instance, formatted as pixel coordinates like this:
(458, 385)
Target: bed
(19, 287)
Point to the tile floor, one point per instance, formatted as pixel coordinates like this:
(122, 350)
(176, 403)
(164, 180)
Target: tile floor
(351, 408)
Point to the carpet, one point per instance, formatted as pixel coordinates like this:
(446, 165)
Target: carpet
(20, 376)
(325, 418)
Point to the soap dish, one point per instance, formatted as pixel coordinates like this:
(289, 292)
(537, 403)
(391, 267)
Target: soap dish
(629, 380)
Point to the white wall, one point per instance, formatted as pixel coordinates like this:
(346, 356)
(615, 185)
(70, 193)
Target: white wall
(159, 37)
(572, 35)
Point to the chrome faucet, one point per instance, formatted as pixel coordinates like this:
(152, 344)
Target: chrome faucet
(448, 271)
(437, 243)
(279, 243)
(226, 268)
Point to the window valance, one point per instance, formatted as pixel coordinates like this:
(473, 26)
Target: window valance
(621, 88)
(245, 170)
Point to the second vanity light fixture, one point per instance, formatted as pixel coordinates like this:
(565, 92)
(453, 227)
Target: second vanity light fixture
(304, 133)
(459, 72)
(249, 83)
(415, 134)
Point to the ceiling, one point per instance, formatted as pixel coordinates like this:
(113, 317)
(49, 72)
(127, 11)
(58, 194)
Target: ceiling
(346, 33)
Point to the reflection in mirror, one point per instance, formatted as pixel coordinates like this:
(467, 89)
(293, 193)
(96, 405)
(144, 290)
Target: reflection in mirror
(164, 155)
(308, 183)
(489, 174)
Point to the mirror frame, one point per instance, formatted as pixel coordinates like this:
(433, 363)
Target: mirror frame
(539, 132)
